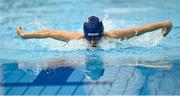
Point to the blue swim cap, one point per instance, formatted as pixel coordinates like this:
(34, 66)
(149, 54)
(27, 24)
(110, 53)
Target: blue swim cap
(93, 28)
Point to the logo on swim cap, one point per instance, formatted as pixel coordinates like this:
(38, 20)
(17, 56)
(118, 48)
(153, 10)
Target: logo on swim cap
(93, 28)
(93, 34)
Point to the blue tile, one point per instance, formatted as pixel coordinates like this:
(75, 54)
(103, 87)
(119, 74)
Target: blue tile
(176, 92)
(4, 90)
(9, 66)
(17, 90)
(34, 90)
(120, 83)
(84, 89)
(109, 76)
(135, 83)
(100, 89)
(7, 69)
(161, 83)
(14, 76)
(27, 78)
(148, 86)
(166, 86)
(67, 90)
(50, 90)
(76, 76)
(4, 75)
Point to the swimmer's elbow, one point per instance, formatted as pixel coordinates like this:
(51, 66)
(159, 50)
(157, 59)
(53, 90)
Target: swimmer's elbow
(168, 24)
(23, 36)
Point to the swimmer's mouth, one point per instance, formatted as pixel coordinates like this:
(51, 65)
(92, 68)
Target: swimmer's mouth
(93, 46)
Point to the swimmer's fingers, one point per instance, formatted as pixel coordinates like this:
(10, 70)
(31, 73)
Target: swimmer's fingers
(20, 31)
(165, 31)
(19, 28)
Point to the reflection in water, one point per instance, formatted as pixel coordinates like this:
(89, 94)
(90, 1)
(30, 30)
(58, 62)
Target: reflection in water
(166, 66)
(57, 75)
(94, 67)
(141, 79)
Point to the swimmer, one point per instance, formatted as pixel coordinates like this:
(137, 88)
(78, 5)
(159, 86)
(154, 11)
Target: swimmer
(94, 31)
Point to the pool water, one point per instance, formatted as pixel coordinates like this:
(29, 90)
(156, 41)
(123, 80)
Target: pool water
(146, 64)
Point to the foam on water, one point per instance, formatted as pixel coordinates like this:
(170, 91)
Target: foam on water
(146, 40)
(71, 45)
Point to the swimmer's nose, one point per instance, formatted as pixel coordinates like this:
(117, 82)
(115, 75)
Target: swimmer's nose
(93, 43)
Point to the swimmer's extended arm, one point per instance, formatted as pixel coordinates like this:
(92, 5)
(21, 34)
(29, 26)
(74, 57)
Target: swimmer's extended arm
(128, 33)
(55, 34)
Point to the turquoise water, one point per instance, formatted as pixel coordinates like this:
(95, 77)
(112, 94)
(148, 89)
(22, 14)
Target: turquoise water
(147, 64)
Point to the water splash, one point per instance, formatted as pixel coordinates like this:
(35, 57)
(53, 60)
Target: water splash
(108, 24)
(72, 45)
(146, 40)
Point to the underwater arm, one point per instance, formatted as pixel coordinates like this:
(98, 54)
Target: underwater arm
(128, 33)
(55, 34)
(151, 65)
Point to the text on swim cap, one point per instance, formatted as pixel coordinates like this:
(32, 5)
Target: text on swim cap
(93, 34)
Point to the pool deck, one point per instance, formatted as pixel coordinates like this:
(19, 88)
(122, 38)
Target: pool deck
(115, 81)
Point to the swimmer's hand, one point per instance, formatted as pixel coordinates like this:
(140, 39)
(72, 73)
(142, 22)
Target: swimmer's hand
(20, 32)
(166, 28)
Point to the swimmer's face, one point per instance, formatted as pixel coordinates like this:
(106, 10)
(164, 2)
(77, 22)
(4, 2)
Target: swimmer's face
(93, 43)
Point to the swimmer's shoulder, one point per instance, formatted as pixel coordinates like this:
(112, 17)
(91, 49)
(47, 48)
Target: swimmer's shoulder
(108, 34)
(80, 35)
